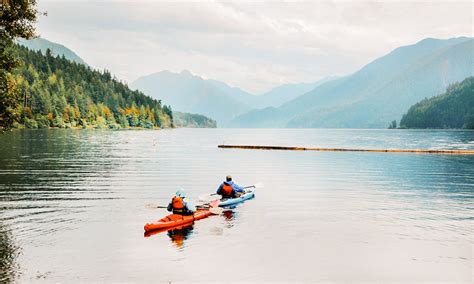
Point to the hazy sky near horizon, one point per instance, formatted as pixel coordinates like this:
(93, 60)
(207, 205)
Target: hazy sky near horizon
(251, 45)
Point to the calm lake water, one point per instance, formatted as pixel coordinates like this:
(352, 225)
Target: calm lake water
(74, 202)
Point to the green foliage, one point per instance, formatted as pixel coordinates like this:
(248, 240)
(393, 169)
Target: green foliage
(56, 92)
(16, 20)
(30, 123)
(42, 121)
(453, 109)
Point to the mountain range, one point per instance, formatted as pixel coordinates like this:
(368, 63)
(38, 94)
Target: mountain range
(372, 97)
(376, 94)
(215, 99)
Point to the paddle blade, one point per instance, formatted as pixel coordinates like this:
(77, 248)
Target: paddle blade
(214, 203)
(216, 210)
(259, 185)
(153, 206)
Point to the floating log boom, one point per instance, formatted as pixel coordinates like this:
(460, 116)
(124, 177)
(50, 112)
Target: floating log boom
(420, 151)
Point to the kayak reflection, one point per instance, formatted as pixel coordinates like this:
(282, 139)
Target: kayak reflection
(229, 217)
(177, 235)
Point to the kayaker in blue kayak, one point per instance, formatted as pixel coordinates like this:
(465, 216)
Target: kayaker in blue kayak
(229, 189)
(180, 204)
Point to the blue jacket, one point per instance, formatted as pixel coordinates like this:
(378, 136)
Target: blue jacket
(235, 188)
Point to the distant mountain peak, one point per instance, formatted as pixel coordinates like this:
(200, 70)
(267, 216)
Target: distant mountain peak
(430, 42)
(41, 44)
(187, 73)
(431, 39)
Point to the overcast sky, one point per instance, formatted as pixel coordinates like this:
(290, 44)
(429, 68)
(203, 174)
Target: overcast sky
(254, 46)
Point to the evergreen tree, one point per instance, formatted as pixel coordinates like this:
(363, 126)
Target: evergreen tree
(16, 21)
(453, 109)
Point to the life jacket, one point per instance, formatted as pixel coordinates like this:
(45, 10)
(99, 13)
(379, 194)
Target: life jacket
(227, 190)
(178, 205)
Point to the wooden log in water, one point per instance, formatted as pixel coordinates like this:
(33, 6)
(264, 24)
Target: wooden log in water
(420, 151)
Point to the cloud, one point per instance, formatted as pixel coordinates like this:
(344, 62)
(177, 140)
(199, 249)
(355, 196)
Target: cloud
(251, 45)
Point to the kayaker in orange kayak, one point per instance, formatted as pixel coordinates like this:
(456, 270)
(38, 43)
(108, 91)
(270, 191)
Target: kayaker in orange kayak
(229, 189)
(180, 204)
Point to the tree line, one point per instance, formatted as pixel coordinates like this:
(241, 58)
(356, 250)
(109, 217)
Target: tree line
(452, 109)
(181, 119)
(56, 92)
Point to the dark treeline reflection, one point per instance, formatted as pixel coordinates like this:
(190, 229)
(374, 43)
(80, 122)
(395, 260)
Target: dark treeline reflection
(36, 159)
(8, 254)
(40, 167)
(47, 177)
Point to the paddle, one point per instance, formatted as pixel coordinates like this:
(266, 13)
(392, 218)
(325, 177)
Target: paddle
(216, 210)
(153, 206)
(209, 205)
(209, 197)
(257, 185)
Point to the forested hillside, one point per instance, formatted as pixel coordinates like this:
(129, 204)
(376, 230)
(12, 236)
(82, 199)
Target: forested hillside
(453, 109)
(57, 92)
(192, 120)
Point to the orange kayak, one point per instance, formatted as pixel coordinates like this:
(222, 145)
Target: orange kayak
(159, 231)
(174, 220)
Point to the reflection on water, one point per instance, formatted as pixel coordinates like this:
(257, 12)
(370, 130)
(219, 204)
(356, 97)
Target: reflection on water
(8, 254)
(78, 199)
(46, 179)
(179, 235)
(229, 217)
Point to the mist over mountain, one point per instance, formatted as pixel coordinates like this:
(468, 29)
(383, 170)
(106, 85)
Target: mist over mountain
(287, 92)
(215, 99)
(189, 93)
(42, 45)
(378, 93)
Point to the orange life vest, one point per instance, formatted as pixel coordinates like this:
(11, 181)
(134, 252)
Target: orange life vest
(227, 190)
(178, 205)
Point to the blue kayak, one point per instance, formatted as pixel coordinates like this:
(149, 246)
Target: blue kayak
(231, 201)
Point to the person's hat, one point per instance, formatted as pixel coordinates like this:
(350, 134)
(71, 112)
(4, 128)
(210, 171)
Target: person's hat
(180, 193)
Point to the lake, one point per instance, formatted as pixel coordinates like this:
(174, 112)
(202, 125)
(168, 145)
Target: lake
(74, 202)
